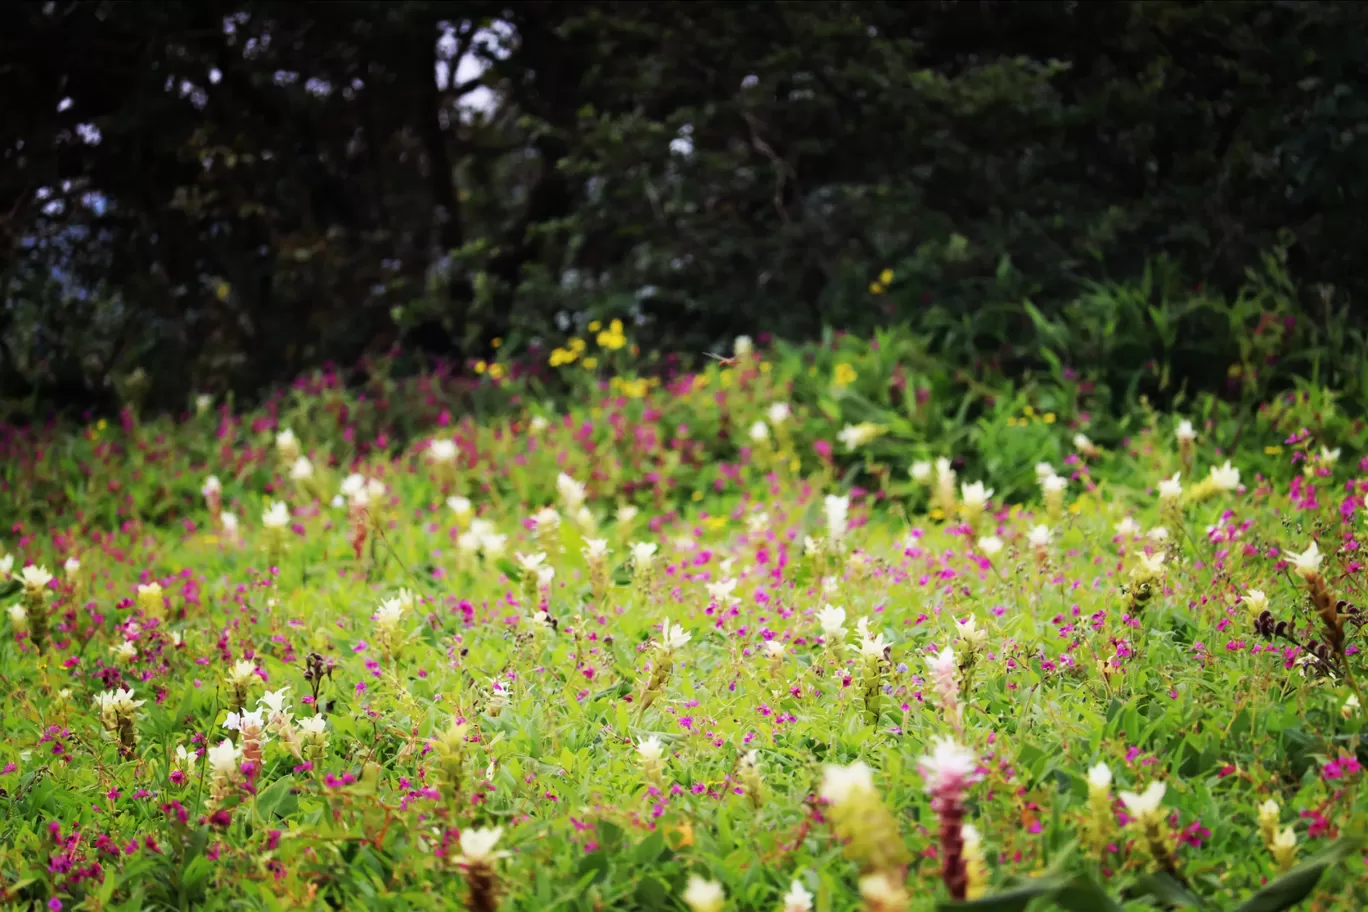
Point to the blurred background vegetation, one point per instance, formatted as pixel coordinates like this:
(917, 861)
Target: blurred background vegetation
(1156, 195)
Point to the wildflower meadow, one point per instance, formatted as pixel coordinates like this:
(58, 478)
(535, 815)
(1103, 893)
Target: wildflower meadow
(831, 626)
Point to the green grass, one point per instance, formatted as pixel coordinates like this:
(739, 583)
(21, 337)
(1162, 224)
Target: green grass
(456, 708)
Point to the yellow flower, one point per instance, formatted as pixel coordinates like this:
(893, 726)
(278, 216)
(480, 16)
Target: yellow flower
(714, 523)
(1049, 418)
(480, 367)
(875, 288)
(1028, 411)
(590, 363)
(595, 326)
(1272, 450)
(844, 375)
(696, 496)
(495, 342)
(700, 381)
(577, 345)
(496, 371)
(886, 277)
(795, 464)
(222, 290)
(765, 367)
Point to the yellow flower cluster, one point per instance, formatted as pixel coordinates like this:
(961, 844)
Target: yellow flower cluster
(612, 337)
(633, 389)
(844, 375)
(1028, 414)
(568, 355)
(494, 369)
(880, 285)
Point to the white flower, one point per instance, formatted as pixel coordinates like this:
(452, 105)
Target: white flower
(971, 633)
(797, 899)
(1147, 803)
(832, 620)
(643, 553)
(72, 566)
(538, 424)
(704, 895)
(871, 647)
(774, 649)
(920, 471)
(286, 442)
(1100, 777)
(531, 563)
(1039, 536)
(949, 765)
(390, 613)
(854, 436)
(1307, 564)
(1285, 840)
(545, 575)
(778, 413)
(546, 520)
(274, 700)
(230, 524)
(626, 513)
(943, 664)
(1329, 457)
(241, 673)
(722, 591)
(837, 511)
(313, 726)
(35, 579)
(943, 470)
(596, 549)
(759, 432)
(1084, 445)
(975, 496)
(1152, 564)
(302, 470)
(1185, 432)
(6, 564)
(125, 651)
(989, 545)
(245, 722)
(1226, 478)
(1127, 527)
(651, 750)
(1170, 488)
(492, 545)
(673, 637)
(742, 346)
(277, 516)
(1351, 706)
(352, 485)
(1054, 484)
(212, 487)
(1158, 534)
(1256, 600)
(18, 615)
(540, 621)
(1043, 470)
(757, 522)
(375, 489)
(203, 402)
(477, 845)
(572, 492)
(442, 451)
(841, 784)
(461, 506)
(223, 759)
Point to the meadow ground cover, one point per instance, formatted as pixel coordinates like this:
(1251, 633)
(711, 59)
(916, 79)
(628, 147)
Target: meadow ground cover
(821, 628)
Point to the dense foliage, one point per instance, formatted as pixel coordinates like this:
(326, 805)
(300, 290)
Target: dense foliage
(232, 192)
(752, 637)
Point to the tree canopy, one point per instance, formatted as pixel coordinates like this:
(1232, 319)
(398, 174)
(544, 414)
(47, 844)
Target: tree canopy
(225, 193)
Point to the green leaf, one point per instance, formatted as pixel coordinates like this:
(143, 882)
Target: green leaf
(1014, 899)
(1166, 888)
(277, 798)
(9, 587)
(1297, 884)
